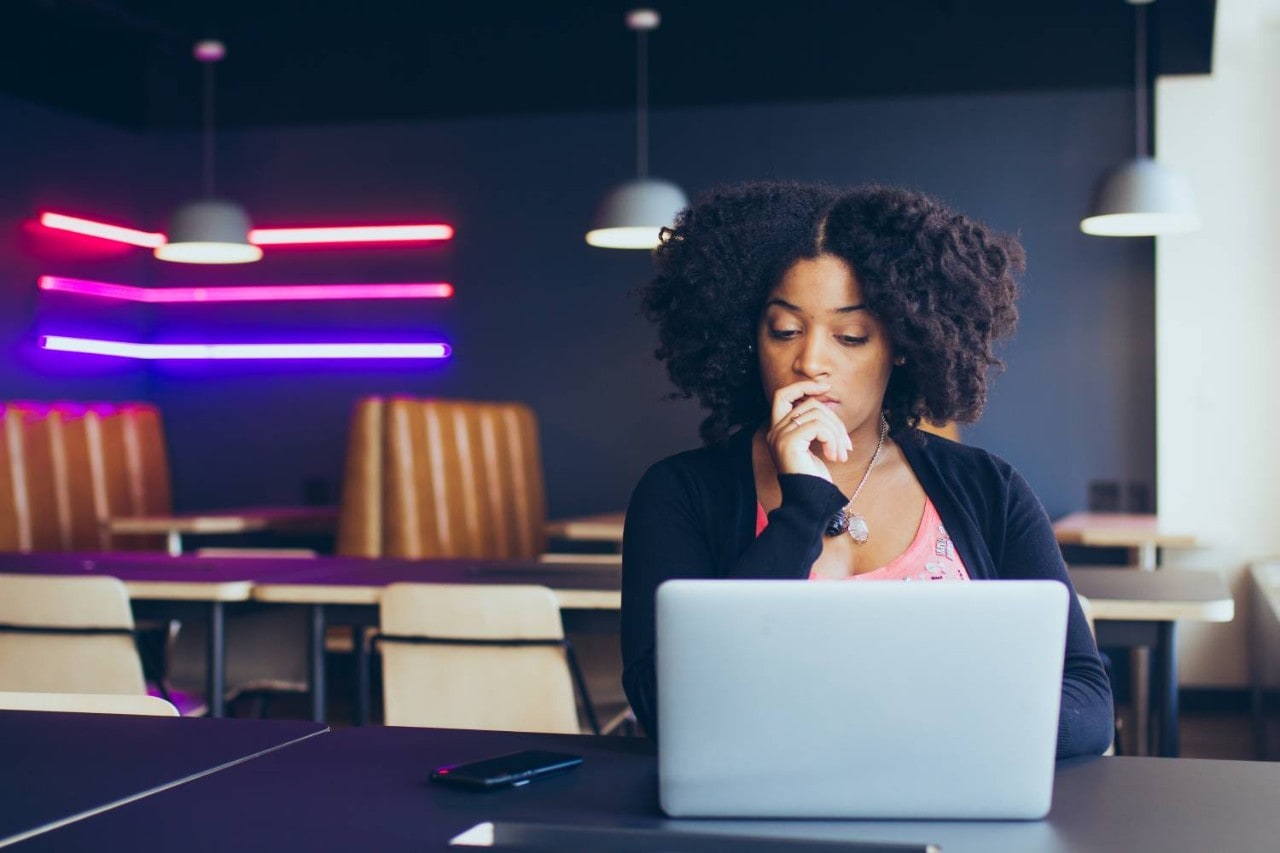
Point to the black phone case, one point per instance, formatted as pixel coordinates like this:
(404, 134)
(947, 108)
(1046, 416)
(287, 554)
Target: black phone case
(505, 771)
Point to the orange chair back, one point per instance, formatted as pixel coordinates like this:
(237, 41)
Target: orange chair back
(443, 478)
(65, 468)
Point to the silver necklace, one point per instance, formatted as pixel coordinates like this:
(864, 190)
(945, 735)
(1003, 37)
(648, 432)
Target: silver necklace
(846, 520)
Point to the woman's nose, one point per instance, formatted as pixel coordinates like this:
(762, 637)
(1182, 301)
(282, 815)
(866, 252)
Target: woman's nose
(814, 359)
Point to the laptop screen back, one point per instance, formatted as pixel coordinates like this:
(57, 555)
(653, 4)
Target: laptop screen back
(876, 700)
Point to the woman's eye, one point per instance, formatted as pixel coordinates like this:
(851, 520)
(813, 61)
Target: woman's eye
(852, 340)
(783, 334)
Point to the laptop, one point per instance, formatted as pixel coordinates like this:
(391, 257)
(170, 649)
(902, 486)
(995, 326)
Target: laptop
(859, 700)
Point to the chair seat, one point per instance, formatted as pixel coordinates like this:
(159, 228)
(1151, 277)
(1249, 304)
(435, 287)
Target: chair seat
(88, 703)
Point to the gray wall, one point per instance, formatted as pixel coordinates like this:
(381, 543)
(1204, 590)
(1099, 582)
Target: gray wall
(541, 317)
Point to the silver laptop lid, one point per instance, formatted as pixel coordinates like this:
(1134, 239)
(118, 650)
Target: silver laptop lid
(849, 699)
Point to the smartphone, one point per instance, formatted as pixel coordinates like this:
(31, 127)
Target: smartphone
(505, 771)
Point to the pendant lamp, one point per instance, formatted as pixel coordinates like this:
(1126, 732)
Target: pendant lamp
(209, 230)
(632, 214)
(1141, 198)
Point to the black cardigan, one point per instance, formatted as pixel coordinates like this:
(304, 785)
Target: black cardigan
(693, 515)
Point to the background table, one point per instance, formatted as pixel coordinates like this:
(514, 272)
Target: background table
(224, 522)
(348, 592)
(164, 587)
(367, 789)
(57, 768)
(1141, 534)
(342, 590)
(606, 527)
(1135, 608)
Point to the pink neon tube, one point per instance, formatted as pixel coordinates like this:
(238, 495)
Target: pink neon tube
(124, 349)
(90, 228)
(349, 234)
(247, 293)
(335, 235)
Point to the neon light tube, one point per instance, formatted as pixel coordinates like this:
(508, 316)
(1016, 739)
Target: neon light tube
(88, 227)
(125, 349)
(352, 234)
(247, 293)
(335, 235)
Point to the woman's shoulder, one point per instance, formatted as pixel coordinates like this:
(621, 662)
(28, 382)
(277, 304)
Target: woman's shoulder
(710, 469)
(947, 450)
(956, 461)
(711, 460)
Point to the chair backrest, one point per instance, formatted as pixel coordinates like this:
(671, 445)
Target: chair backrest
(67, 467)
(360, 516)
(481, 665)
(28, 501)
(88, 703)
(67, 635)
(443, 478)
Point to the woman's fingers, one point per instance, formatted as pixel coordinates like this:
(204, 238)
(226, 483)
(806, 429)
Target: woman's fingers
(835, 438)
(792, 438)
(786, 397)
(791, 443)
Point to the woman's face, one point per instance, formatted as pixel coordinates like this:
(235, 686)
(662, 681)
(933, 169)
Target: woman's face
(815, 326)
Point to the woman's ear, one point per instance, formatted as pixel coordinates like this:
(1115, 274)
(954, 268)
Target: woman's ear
(900, 360)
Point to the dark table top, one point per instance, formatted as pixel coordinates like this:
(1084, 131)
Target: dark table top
(384, 572)
(133, 566)
(367, 789)
(54, 767)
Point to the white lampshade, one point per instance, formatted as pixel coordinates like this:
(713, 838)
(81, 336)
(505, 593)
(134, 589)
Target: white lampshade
(1141, 198)
(209, 231)
(631, 215)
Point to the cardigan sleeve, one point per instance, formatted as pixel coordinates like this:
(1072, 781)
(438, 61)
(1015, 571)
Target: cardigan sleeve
(673, 530)
(1086, 721)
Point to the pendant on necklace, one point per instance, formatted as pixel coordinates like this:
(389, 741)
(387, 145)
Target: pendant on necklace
(858, 529)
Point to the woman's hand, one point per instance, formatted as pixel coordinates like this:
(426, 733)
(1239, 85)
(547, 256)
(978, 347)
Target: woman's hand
(798, 422)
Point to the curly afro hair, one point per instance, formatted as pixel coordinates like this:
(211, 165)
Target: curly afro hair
(942, 285)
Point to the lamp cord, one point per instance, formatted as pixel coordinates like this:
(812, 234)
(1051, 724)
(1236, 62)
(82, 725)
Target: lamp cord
(1141, 118)
(642, 104)
(208, 129)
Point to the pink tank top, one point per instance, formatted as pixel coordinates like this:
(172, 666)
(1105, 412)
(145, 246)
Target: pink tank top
(930, 557)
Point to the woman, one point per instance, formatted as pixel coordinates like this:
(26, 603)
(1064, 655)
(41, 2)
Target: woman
(819, 328)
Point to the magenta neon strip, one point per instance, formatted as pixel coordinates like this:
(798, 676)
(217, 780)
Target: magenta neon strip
(349, 234)
(125, 349)
(88, 227)
(335, 235)
(247, 293)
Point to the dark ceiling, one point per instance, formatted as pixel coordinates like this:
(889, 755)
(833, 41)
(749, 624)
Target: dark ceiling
(129, 62)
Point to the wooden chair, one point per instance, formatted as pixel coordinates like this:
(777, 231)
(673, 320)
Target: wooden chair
(88, 703)
(29, 507)
(432, 478)
(67, 467)
(67, 635)
(477, 657)
(442, 478)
